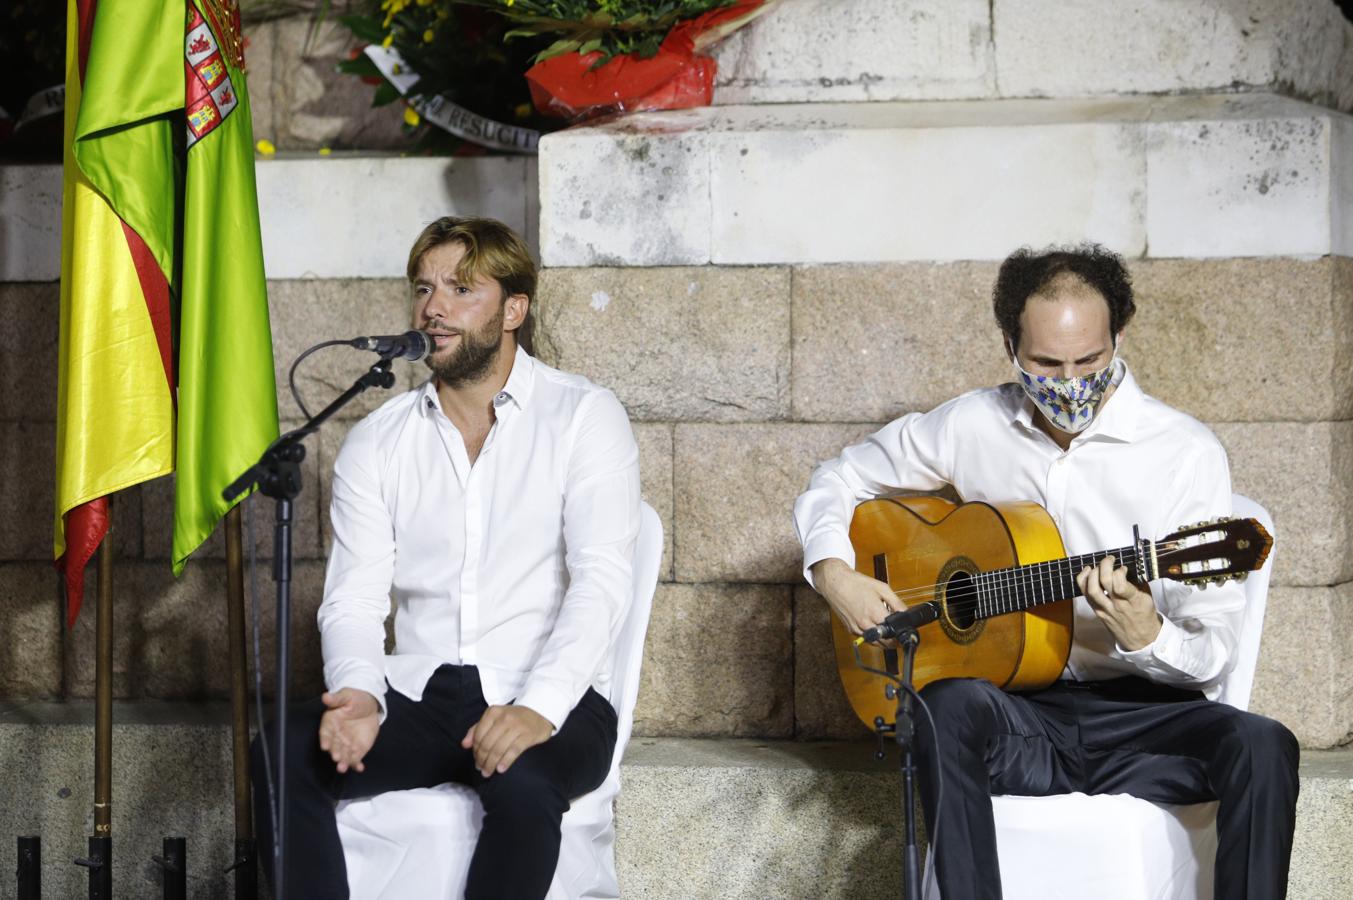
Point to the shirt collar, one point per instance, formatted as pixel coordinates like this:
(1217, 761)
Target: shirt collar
(1117, 418)
(517, 389)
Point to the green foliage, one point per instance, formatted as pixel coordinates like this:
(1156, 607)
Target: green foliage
(611, 27)
(458, 52)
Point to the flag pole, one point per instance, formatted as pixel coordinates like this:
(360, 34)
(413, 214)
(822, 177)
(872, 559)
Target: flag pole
(103, 726)
(246, 853)
(100, 859)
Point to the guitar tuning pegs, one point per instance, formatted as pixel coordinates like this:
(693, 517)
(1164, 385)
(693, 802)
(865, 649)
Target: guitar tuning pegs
(1242, 576)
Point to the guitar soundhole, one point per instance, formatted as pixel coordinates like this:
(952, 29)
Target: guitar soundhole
(957, 598)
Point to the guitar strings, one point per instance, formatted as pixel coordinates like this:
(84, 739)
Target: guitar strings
(969, 597)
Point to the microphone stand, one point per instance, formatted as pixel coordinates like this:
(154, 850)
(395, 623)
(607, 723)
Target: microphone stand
(903, 731)
(278, 475)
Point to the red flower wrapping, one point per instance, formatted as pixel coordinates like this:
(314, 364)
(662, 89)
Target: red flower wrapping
(678, 76)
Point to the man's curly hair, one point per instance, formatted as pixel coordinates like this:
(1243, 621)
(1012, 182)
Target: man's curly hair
(1026, 272)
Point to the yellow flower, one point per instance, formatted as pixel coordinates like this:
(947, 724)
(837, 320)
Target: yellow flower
(265, 147)
(324, 151)
(389, 39)
(411, 116)
(427, 36)
(425, 2)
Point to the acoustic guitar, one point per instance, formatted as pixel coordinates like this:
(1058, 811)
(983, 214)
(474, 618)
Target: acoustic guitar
(1003, 586)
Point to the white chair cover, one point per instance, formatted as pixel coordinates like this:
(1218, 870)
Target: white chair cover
(417, 844)
(1113, 846)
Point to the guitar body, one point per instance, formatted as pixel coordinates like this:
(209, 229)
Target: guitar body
(925, 548)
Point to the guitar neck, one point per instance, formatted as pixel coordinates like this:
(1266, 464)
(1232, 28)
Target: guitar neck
(1019, 588)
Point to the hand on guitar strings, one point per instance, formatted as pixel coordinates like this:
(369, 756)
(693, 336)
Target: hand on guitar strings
(860, 602)
(1125, 608)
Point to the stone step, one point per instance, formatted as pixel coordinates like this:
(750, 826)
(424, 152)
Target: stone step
(854, 50)
(697, 818)
(344, 215)
(1200, 176)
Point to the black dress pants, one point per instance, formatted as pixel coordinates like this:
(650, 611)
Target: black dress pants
(419, 746)
(1123, 736)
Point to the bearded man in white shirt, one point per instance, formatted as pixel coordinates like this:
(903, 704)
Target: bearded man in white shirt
(498, 505)
(1075, 434)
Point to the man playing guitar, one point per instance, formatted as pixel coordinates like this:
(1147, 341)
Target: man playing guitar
(1131, 713)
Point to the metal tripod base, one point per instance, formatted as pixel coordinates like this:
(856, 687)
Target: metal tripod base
(100, 866)
(245, 868)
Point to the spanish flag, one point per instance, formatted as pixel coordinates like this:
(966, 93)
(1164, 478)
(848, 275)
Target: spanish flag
(165, 351)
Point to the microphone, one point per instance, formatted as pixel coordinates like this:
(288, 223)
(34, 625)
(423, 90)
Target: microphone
(411, 345)
(900, 621)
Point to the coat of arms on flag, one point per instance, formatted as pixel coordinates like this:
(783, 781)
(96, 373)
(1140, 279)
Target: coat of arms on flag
(211, 96)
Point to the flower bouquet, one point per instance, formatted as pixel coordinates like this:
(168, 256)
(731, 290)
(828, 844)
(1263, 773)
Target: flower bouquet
(458, 63)
(622, 55)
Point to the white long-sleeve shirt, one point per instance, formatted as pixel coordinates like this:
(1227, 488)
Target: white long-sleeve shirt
(519, 564)
(1139, 462)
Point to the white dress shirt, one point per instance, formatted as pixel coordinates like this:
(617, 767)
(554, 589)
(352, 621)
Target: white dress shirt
(519, 564)
(1139, 462)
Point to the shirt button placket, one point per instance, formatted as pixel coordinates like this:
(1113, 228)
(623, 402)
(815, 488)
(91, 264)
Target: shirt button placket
(1056, 489)
(469, 578)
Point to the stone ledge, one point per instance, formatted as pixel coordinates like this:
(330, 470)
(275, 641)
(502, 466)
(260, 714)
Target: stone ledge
(715, 819)
(708, 818)
(1224, 175)
(862, 50)
(340, 216)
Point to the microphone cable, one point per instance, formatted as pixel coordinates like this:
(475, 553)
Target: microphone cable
(291, 375)
(933, 839)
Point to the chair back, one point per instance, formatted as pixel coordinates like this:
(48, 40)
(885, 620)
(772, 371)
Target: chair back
(629, 644)
(587, 845)
(1235, 687)
(627, 656)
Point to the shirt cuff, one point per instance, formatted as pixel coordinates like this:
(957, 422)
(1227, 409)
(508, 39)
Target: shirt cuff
(359, 675)
(551, 702)
(1157, 653)
(826, 546)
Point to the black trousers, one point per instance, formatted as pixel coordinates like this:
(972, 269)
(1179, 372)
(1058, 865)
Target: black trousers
(419, 746)
(1124, 736)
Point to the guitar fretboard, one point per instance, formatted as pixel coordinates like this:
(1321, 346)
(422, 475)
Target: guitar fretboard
(1019, 588)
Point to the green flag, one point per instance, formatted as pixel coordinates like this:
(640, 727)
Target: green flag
(164, 133)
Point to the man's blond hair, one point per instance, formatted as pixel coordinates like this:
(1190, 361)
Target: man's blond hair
(492, 250)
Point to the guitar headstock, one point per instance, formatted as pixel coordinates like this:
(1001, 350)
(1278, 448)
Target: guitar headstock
(1213, 552)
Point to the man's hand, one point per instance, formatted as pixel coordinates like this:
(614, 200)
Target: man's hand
(859, 601)
(1127, 610)
(502, 734)
(348, 727)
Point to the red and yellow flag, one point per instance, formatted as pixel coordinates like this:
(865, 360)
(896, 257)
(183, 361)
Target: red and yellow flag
(115, 406)
(163, 299)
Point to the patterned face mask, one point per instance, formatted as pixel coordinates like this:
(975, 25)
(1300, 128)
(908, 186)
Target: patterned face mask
(1069, 403)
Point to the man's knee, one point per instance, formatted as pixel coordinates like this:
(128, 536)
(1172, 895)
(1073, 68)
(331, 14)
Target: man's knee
(523, 790)
(957, 704)
(1265, 743)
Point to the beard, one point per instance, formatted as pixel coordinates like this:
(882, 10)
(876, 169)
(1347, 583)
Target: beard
(473, 356)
